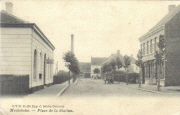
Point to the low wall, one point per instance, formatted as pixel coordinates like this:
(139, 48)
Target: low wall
(60, 79)
(14, 84)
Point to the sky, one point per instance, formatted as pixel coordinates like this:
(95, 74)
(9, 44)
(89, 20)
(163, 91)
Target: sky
(100, 28)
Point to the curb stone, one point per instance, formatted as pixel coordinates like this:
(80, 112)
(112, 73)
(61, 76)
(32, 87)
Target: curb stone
(151, 91)
(62, 91)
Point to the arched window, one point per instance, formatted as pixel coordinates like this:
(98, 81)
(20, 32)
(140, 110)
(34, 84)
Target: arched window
(40, 66)
(41, 63)
(35, 64)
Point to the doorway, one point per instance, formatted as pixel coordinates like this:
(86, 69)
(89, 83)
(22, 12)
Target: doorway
(44, 70)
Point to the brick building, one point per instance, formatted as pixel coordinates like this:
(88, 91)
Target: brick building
(169, 26)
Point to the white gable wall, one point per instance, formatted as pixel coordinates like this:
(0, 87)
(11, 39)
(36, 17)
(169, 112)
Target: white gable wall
(17, 47)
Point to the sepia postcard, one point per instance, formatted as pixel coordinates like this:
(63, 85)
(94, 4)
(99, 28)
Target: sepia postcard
(89, 57)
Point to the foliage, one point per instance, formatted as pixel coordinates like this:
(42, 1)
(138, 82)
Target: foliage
(96, 71)
(113, 64)
(127, 61)
(161, 45)
(118, 63)
(104, 68)
(139, 61)
(71, 62)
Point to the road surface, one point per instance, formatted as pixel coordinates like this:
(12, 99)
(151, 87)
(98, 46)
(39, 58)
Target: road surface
(97, 87)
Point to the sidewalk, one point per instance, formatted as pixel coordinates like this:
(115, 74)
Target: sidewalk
(50, 91)
(153, 88)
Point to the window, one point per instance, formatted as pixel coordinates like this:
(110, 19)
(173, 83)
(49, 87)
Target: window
(35, 64)
(144, 48)
(155, 44)
(147, 47)
(141, 47)
(151, 48)
(40, 74)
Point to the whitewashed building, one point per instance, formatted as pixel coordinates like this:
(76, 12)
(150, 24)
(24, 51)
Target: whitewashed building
(25, 50)
(96, 62)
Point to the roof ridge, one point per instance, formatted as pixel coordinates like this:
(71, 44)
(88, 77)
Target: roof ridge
(3, 11)
(164, 20)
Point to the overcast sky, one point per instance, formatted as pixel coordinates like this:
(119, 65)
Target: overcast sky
(100, 28)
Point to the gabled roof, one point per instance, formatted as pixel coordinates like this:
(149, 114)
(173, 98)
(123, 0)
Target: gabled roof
(164, 20)
(8, 20)
(98, 60)
(114, 56)
(167, 18)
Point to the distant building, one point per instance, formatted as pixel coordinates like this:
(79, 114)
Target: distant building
(96, 62)
(85, 69)
(169, 26)
(133, 68)
(25, 50)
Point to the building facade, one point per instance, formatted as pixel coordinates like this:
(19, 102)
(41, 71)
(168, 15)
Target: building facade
(168, 27)
(85, 69)
(25, 50)
(96, 62)
(132, 68)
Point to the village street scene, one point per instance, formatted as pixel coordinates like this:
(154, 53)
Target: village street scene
(30, 66)
(117, 53)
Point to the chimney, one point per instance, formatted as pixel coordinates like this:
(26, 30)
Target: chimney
(118, 52)
(171, 7)
(72, 43)
(9, 7)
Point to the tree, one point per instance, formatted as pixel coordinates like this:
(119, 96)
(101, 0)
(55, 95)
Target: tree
(127, 62)
(71, 63)
(104, 68)
(159, 57)
(139, 63)
(113, 64)
(96, 71)
(119, 63)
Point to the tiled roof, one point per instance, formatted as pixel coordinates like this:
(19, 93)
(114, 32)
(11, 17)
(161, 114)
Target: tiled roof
(10, 19)
(167, 18)
(98, 60)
